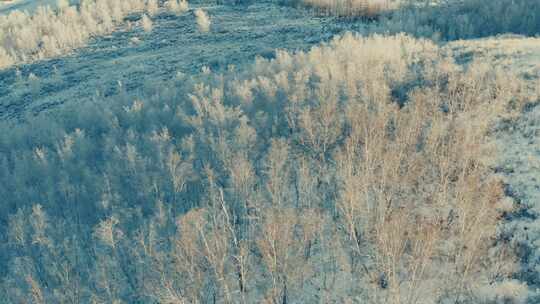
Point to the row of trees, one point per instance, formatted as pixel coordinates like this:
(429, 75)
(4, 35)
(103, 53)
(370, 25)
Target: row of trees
(456, 19)
(356, 172)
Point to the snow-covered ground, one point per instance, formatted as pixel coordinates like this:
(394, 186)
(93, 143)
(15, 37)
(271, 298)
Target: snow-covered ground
(515, 53)
(520, 164)
(518, 143)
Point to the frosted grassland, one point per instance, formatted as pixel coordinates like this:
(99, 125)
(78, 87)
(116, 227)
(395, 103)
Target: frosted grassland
(134, 60)
(183, 166)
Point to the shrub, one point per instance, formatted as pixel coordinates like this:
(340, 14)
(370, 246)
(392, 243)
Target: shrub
(62, 4)
(146, 23)
(5, 59)
(177, 7)
(203, 21)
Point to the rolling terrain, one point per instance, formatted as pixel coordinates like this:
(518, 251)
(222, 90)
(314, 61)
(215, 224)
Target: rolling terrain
(232, 154)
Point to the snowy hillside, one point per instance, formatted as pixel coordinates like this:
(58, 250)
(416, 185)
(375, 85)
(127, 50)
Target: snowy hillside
(274, 151)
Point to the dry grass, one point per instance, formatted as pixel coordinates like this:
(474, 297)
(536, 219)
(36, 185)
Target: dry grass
(363, 8)
(49, 33)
